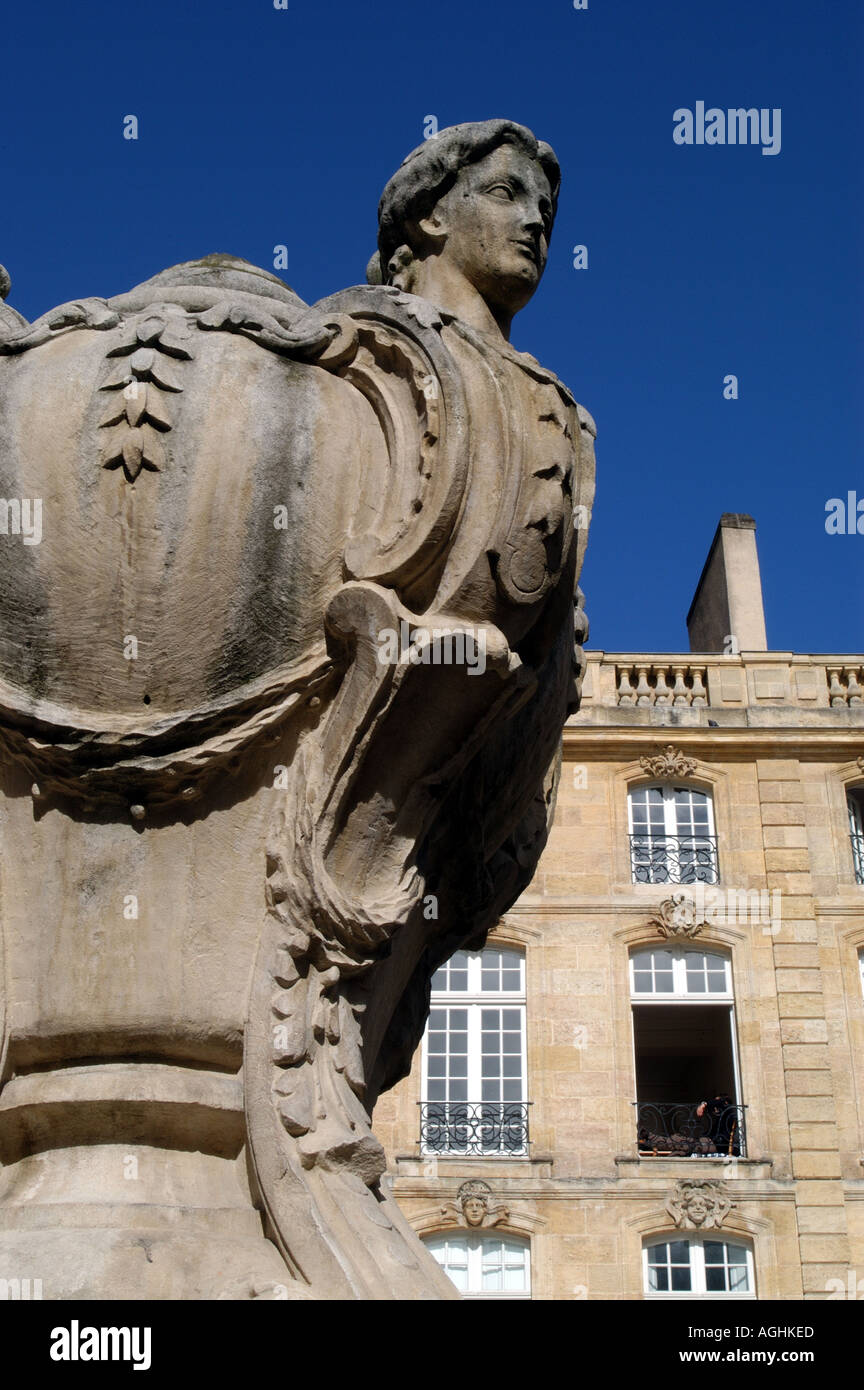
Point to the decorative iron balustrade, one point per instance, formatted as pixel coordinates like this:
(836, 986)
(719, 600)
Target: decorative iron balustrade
(676, 1129)
(674, 858)
(858, 855)
(465, 1127)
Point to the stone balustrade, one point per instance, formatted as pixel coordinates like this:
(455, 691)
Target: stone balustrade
(677, 684)
(709, 681)
(845, 685)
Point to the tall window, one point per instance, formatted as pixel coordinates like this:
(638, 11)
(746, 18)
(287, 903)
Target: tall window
(688, 1099)
(698, 1268)
(474, 1099)
(672, 838)
(855, 803)
(484, 1265)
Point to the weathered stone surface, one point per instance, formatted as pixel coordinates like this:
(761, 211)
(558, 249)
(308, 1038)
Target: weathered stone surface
(281, 691)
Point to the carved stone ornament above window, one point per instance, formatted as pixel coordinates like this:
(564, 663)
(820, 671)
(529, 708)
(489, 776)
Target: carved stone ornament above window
(678, 916)
(669, 762)
(474, 1206)
(699, 1205)
(860, 762)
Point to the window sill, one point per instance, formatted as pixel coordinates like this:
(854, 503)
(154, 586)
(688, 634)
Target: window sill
(699, 1297)
(702, 1165)
(458, 1165)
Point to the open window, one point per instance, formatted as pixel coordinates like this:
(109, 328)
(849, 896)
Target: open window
(688, 1095)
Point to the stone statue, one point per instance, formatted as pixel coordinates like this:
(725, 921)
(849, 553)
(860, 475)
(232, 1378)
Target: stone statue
(282, 682)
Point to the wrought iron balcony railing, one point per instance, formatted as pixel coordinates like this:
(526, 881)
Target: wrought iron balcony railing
(466, 1127)
(674, 858)
(676, 1129)
(858, 855)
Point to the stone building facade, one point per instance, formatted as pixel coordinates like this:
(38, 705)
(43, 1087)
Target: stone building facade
(651, 1083)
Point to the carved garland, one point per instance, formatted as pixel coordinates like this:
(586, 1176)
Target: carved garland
(147, 372)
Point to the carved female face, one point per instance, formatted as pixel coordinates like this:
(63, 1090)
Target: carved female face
(697, 1209)
(474, 1209)
(496, 221)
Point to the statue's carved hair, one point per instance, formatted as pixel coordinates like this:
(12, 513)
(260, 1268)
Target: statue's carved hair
(428, 172)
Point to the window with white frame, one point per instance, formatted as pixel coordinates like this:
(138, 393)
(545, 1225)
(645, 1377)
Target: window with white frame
(484, 1265)
(680, 972)
(698, 1267)
(688, 1093)
(474, 1076)
(672, 835)
(855, 806)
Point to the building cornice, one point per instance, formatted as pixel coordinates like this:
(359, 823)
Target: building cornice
(627, 743)
(533, 905)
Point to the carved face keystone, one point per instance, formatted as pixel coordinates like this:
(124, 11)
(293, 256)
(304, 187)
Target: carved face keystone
(474, 1209)
(697, 1209)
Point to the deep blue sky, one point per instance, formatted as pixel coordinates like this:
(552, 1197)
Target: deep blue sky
(260, 127)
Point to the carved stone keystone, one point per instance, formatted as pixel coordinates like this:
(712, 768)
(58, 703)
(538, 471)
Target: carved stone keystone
(699, 1205)
(474, 1206)
(670, 762)
(678, 916)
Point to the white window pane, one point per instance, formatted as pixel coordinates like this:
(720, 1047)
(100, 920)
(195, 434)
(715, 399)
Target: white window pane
(452, 976)
(736, 1254)
(452, 1256)
(697, 1266)
(514, 1280)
